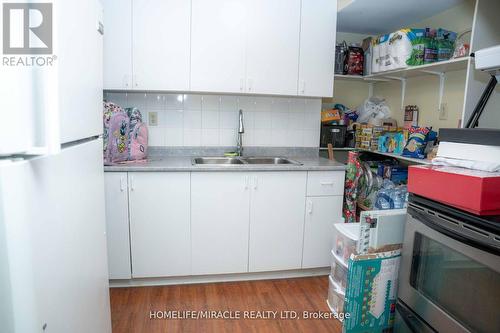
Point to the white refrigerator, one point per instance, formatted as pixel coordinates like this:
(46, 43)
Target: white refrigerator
(53, 261)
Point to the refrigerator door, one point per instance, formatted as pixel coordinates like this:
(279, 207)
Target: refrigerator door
(53, 266)
(79, 52)
(45, 105)
(28, 104)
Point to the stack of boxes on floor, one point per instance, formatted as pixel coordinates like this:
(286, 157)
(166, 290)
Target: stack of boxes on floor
(364, 271)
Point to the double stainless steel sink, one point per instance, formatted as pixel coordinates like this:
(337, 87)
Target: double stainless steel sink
(243, 160)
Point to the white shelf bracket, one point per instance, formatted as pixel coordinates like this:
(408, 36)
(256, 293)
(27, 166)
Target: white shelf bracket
(403, 88)
(442, 77)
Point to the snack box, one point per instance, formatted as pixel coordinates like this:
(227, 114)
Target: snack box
(371, 293)
(474, 191)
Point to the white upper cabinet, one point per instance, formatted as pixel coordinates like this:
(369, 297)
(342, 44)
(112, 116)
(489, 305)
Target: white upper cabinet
(273, 46)
(317, 47)
(117, 44)
(218, 45)
(160, 43)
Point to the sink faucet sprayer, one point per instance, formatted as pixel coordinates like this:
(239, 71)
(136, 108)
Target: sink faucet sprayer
(241, 130)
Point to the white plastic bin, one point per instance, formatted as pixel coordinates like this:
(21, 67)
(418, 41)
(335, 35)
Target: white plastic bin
(339, 271)
(345, 239)
(336, 297)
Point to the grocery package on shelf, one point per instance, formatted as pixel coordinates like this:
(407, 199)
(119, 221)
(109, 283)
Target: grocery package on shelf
(417, 142)
(380, 138)
(340, 54)
(411, 47)
(354, 61)
(368, 51)
(390, 51)
(411, 116)
(371, 293)
(398, 174)
(392, 140)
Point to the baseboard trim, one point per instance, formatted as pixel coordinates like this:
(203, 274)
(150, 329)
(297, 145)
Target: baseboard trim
(167, 281)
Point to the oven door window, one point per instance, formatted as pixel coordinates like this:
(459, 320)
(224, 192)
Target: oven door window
(465, 289)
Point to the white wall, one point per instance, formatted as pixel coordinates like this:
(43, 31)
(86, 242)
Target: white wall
(212, 120)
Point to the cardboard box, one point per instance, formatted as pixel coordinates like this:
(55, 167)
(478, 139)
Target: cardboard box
(371, 292)
(474, 191)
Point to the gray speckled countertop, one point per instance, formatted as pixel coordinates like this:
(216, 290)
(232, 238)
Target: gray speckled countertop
(183, 163)
(161, 160)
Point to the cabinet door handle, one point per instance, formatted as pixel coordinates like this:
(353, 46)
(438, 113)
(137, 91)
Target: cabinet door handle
(246, 182)
(326, 183)
(310, 207)
(126, 81)
(255, 182)
(123, 186)
(242, 84)
(136, 84)
(303, 87)
(250, 85)
(132, 183)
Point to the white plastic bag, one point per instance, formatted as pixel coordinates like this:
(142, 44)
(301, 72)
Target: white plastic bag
(373, 111)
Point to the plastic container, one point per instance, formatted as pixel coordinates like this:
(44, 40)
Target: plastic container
(336, 298)
(345, 240)
(339, 271)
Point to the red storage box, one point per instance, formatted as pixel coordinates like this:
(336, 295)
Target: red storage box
(474, 191)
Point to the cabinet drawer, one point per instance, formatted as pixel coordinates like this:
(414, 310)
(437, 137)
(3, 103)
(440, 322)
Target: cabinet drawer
(325, 183)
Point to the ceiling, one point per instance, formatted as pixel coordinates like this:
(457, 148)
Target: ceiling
(383, 16)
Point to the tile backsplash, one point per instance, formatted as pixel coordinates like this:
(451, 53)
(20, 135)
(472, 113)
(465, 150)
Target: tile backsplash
(212, 120)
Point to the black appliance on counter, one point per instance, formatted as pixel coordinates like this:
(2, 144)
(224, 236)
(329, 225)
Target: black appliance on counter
(449, 279)
(334, 134)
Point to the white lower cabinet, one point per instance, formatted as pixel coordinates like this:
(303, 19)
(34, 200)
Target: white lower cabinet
(204, 223)
(160, 223)
(117, 227)
(321, 214)
(276, 220)
(219, 222)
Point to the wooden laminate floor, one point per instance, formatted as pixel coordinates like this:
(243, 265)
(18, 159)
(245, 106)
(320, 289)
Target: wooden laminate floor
(131, 307)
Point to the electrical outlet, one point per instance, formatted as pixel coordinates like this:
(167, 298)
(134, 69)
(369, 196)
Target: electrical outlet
(153, 118)
(443, 111)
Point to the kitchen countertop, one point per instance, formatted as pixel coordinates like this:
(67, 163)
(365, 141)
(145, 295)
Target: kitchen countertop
(183, 163)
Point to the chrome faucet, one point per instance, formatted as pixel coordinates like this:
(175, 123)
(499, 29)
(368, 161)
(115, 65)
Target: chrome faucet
(241, 130)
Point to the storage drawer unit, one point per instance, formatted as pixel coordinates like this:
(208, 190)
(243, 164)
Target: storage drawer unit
(323, 183)
(345, 239)
(336, 297)
(339, 271)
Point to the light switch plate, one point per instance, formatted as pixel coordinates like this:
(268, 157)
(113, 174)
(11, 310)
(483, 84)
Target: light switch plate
(153, 118)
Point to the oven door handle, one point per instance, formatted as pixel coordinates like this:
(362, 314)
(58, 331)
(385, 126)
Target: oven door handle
(454, 234)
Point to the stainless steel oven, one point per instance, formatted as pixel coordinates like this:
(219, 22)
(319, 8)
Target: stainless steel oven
(449, 279)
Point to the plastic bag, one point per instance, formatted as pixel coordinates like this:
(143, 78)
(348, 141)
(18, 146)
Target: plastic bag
(373, 111)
